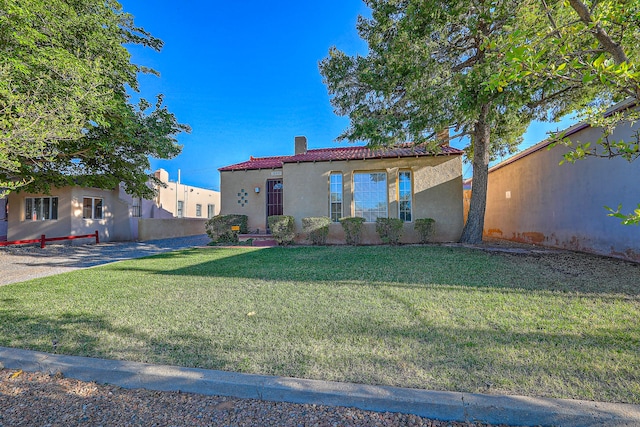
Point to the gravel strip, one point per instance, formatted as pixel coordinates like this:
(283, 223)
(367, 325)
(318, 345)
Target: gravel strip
(39, 399)
(24, 262)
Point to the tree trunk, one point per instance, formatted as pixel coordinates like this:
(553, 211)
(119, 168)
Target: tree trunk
(472, 232)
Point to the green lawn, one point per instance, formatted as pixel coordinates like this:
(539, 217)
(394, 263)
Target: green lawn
(444, 318)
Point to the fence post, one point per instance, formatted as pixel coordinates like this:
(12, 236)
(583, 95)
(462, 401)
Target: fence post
(42, 243)
(97, 237)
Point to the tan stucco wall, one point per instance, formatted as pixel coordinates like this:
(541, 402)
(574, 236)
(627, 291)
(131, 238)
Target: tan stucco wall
(251, 203)
(70, 220)
(153, 228)
(437, 193)
(117, 224)
(106, 226)
(189, 195)
(562, 205)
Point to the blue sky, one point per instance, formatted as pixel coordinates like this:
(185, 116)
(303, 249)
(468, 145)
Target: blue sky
(244, 75)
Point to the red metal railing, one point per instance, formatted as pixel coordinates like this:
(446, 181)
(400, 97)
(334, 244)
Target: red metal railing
(43, 239)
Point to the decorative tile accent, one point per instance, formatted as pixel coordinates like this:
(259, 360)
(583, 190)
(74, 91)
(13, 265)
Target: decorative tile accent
(243, 198)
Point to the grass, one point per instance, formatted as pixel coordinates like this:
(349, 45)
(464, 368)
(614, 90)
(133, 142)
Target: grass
(557, 325)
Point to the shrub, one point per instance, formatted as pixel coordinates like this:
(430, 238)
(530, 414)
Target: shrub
(219, 229)
(352, 229)
(282, 228)
(389, 230)
(425, 227)
(317, 228)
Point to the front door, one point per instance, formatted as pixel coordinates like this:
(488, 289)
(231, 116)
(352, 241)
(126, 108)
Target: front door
(274, 197)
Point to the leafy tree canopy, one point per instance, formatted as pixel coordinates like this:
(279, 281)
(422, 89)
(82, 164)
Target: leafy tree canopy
(65, 116)
(425, 71)
(577, 47)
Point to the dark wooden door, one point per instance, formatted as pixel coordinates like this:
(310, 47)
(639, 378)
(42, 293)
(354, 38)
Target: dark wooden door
(274, 197)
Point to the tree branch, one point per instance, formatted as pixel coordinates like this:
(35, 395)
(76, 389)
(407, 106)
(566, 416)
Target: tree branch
(600, 34)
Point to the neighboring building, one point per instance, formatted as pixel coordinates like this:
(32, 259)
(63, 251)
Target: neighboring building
(78, 210)
(185, 201)
(531, 198)
(69, 211)
(405, 182)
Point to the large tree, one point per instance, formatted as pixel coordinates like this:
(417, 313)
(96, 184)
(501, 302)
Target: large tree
(65, 115)
(428, 67)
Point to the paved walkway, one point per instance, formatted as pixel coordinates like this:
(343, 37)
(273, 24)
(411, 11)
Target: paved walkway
(20, 263)
(450, 406)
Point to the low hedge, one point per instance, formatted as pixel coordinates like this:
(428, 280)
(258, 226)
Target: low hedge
(352, 229)
(282, 228)
(317, 229)
(389, 230)
(425, 227)
(218, 228)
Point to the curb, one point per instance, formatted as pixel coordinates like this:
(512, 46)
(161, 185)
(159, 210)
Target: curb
(448, 406)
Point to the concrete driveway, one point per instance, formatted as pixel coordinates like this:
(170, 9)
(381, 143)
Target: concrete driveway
(20, 263)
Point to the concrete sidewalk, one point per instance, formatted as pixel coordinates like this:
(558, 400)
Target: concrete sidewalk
(450, 406)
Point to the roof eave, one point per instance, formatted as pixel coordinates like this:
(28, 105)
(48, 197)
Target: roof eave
(571, 130)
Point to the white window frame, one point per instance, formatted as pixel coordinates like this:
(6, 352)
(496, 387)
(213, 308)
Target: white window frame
(198, 209)
(405, 194)
(211, 210)
(36, 211)
(336, 197)
(97, 208)
(369, 191)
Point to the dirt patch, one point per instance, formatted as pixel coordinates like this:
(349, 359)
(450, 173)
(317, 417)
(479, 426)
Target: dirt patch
(584, 272)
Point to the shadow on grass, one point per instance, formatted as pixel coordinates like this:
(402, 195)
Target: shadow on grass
(412, 266)
(92, 335)
(421, 355)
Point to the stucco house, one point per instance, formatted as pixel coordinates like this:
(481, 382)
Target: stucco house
(532, 198)
(116, 215)
(186, 201)
(404, 182)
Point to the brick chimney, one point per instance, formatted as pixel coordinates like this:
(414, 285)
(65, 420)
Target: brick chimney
(301, 144)
(443, 137)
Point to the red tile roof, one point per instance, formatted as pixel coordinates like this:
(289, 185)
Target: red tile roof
(336, 154)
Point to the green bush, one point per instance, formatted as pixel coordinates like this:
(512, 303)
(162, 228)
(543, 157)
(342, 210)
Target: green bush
(219, 229)
(389, 230)
(282, 228)
(352, 229)
(426, 227)
(317, 228)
